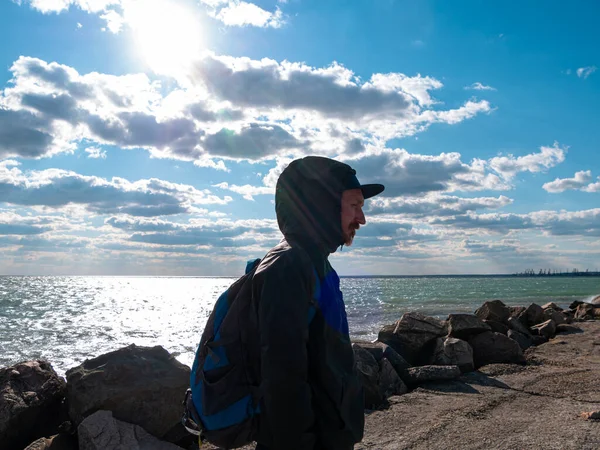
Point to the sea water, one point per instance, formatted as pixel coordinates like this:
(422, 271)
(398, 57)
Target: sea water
(67, 320)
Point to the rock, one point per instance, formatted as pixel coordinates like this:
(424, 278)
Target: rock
(538, 340)
(516, 311)
(584, 311)
(575, 304)
(596, 300)
(463, 326)
(490, 348)
(515, 324)
(557, 316)
(546, 329)
(524, 340)
(374, 348)
(56, 442)
(551, 305)
(453, 352)
(390, 382)
(397, 361)
(368, 372)
(101, 431)
(417, 375)
(593, 415)
(533, 315)
(494, 310)
(411, 334)
(497, 327)
(31, 394)
(567, 329)
(140, 385)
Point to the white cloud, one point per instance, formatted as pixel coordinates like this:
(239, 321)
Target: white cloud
(434, 205)
(56, 188)
(480, 87)
(584, 72)
(237, 109)
(581, 181)
(240, 13)
(247, 191)
(114, 20)
(548, 157)
(94, 152)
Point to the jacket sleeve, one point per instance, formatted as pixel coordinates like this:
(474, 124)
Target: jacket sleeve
(285, 295)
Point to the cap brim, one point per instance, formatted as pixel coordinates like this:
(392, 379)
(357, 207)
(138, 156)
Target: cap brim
(371, 190)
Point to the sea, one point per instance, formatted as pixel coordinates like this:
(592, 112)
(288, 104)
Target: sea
(68, 319)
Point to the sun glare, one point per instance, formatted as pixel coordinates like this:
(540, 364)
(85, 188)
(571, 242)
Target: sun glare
(167, 34)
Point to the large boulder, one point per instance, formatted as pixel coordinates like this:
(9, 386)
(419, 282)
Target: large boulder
(368, 372)
(101, 431)
(493, 310)
(497, 327)
(524, 340)
(411, 334)
(516, 325)
(390, 382)
(596, 300)
(516, 311)
(494, 348)
(546, 329)
(31, 394)
(585, 311)
(453, 352)
(463, 326)
(551, 305)
(532, 315)
(557, 316)
(140, 385)
(423, 374)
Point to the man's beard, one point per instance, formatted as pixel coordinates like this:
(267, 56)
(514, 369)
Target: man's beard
(349, 235)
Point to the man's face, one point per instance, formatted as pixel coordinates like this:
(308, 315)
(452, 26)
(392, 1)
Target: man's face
(352, 213)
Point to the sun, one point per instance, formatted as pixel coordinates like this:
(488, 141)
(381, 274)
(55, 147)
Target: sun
(167, 34)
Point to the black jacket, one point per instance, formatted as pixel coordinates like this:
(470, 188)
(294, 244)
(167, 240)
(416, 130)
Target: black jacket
(312, 397)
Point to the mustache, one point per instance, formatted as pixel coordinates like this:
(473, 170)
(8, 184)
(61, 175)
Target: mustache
(355, 226)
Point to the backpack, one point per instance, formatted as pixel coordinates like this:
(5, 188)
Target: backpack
(223, 402)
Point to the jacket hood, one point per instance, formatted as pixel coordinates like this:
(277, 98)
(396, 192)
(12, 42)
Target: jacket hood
(308, 200)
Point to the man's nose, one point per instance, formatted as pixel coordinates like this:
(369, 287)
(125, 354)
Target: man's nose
(360, 217)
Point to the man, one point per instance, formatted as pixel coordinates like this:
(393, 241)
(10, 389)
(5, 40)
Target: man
(311, 395)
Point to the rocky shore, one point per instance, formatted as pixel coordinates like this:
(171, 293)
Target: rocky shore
(504, 377)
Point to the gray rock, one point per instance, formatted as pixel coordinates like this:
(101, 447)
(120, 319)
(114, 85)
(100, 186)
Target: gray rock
(596, 300)
(524, 340)
(411, 334)
(585, 311)
(368, 372)
(567, 329)
(493, 310)
(493, 348)
(417, 375)
(497, 327)
(390, 382)
(538, 340)
(31, 394)
(557, 316)
(515, 324)
(516, 311)
(533, 315)
(551, 305)
(101, 431)
(374, 348)
(140, 385)
(575, 304)
(454, 352)
(463, 326)
(546, 329)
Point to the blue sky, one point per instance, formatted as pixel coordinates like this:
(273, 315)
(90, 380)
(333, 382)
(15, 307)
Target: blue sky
(146, 137)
